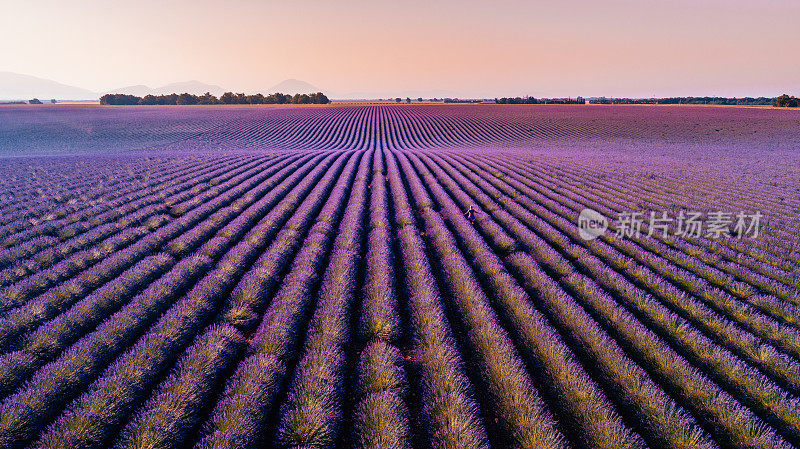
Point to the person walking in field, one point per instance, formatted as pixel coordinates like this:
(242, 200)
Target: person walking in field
(470, 214)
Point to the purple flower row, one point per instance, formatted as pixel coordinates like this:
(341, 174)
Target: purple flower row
(26, 412)
(584, 402)
(25, 312)
(130, 198)
(172, 414)
(781, 366)
(98, 231)
(287, 224)
(190, 241)
(52, 337)
(659, 417)
(726, 412)
(312, 412)
(451, 416)
(239, 418)
(515, 401)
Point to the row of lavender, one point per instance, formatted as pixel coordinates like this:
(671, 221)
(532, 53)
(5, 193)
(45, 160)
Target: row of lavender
(725, 133)
(342, 299)
(363, 128)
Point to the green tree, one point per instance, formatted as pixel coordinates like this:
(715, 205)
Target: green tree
(186, 98)
(228, 98)
(255, 99)
(207, 98)
(149, 100)
(301, 99)
(785, 101)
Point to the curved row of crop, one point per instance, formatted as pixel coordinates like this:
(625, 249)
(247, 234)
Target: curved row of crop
(237, 419)
(635, 263)
(194, 382)
(36, 347)
(34, 198)
(523, 420)
(56, 263)
(661, 420)
(381, 414)
(365, 128)
(19, 231)
(582, 404)
(610, 199)
(449, 412)
(155, 351)
(312, 414)
(770, 250)
(47, 373)
(55, 301)
(341, 298)
(634, 333)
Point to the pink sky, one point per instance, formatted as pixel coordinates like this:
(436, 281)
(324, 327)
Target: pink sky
(543, 48)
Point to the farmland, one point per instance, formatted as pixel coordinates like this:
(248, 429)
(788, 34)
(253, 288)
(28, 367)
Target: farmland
(313, 278)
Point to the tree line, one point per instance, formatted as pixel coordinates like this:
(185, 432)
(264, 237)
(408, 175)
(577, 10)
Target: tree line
(726, 101)
(208, 99)
(532, 100)
(781, 101)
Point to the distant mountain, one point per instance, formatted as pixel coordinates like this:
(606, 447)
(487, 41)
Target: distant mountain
(293, 86)
(192, 87)
(16, 86)
(140, 90)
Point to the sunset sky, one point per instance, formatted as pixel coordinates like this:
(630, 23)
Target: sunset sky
(470, 48)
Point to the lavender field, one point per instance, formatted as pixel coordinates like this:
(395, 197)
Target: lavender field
(399, 276)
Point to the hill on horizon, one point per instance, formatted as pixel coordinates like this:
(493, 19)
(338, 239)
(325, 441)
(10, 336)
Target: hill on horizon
(193, 87)
(17, 86)
(288, 86)
(293, 86)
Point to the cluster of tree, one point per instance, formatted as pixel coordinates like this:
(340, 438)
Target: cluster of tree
(782, 101)
(459, 100)
(120, 99)
(785, 101)
(532, 100)
(207, 98)
(433, 100)
(516, 100)
(747, 101)
(408, 100)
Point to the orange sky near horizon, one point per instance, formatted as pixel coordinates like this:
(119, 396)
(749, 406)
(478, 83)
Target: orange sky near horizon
(542, 48)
